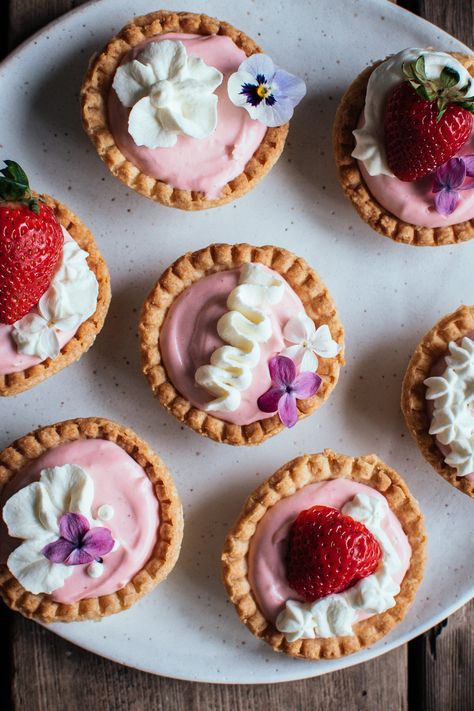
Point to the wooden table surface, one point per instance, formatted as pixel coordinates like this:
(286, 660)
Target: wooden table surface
(45, 673)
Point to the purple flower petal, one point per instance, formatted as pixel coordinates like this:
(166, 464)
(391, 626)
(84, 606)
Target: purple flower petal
(449, 175)
(287, 86)
(306, 384)
(469, 163)
(287, 410)
(79, 556)
(282, 371)
(72, 527)
(268, 402)
(58, 551)
(98, 542)
(446, 201)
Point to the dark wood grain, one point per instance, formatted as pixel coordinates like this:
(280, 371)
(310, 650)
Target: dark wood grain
(46, 673)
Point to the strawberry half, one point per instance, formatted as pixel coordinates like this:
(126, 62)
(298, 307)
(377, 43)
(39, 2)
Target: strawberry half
(31, 242)
(426, 121)
(329, 552)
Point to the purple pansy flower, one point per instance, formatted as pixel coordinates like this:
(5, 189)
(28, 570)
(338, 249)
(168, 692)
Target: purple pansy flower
(287, 388)
(448, 181)
(268, 93)
(79, 543)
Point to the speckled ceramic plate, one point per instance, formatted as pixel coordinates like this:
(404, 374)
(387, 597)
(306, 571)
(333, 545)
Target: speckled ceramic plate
(388, 295)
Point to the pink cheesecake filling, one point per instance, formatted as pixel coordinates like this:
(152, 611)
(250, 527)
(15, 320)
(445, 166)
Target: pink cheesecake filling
(413, 202)
(268, 546)
(119, 482)
(189, 337)
(438, 369)
(13, 362)
(204, 165)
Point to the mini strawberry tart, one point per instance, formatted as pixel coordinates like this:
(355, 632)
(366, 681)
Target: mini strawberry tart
(404, 146)
(239, 341)
(90, 521)
(54, 285)
(437, 398)
(186, 111)
(326, 556)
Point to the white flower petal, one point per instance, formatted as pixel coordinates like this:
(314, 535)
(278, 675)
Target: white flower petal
(199, 116)
(69, 488)
(309, 362)
(20, 513)
(202, 73)
(145, 129)
(131, 82)
(234, 87)
(323, 344)
(296, 353)
(298, 329)
(34, 571)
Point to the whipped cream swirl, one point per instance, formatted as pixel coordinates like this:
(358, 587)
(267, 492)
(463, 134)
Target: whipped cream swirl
(169, 93)
(244, 326)
(70, 299)
(452, 394)
(334, 615)
(370, 142)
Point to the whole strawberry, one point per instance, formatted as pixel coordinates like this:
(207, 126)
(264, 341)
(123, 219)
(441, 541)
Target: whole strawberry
(329, 552)
(31, 242)
(426, 121)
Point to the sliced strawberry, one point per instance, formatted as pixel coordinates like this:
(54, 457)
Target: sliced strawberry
(31, 242)
(416, 142)
(329, 552)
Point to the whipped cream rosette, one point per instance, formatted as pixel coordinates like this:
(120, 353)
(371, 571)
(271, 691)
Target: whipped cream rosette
(326, 556)
(90, 521)
(437, 398)
(404, 146)
(185, 110)
(69, 310)
(239, 341)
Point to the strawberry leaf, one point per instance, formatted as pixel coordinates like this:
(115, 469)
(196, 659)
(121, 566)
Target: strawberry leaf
(449, 77)
(14, 186)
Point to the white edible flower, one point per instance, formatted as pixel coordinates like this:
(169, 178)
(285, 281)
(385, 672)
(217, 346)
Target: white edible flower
(309, 342)
(33, 513)
(170, 93)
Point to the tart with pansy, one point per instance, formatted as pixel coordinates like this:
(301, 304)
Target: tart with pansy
(238, 342)
(90, 521)
(185, 109)
(326, 556)
(404, 146)
(437, 398)
(54, 285)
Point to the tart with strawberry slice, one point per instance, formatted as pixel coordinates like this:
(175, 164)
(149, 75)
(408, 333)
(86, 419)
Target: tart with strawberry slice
(404, 147)
(54, 285)
(327, 555)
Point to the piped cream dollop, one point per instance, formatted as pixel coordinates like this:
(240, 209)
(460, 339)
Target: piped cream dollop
(452, 395)
(243, 327)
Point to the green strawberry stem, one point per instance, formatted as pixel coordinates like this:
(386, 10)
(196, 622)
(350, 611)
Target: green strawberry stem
(14, 187)
(443, 90)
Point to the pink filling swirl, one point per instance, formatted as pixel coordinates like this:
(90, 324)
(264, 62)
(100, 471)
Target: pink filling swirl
(189, 337)
(268, 546)
(119, 482)
(204, 165)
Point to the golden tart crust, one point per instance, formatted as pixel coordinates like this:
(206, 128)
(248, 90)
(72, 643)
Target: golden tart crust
(309, 469)
(15, 383)
(194, 266)
(40, 607)
(350, 177)
(94, 95)
(433, 346)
